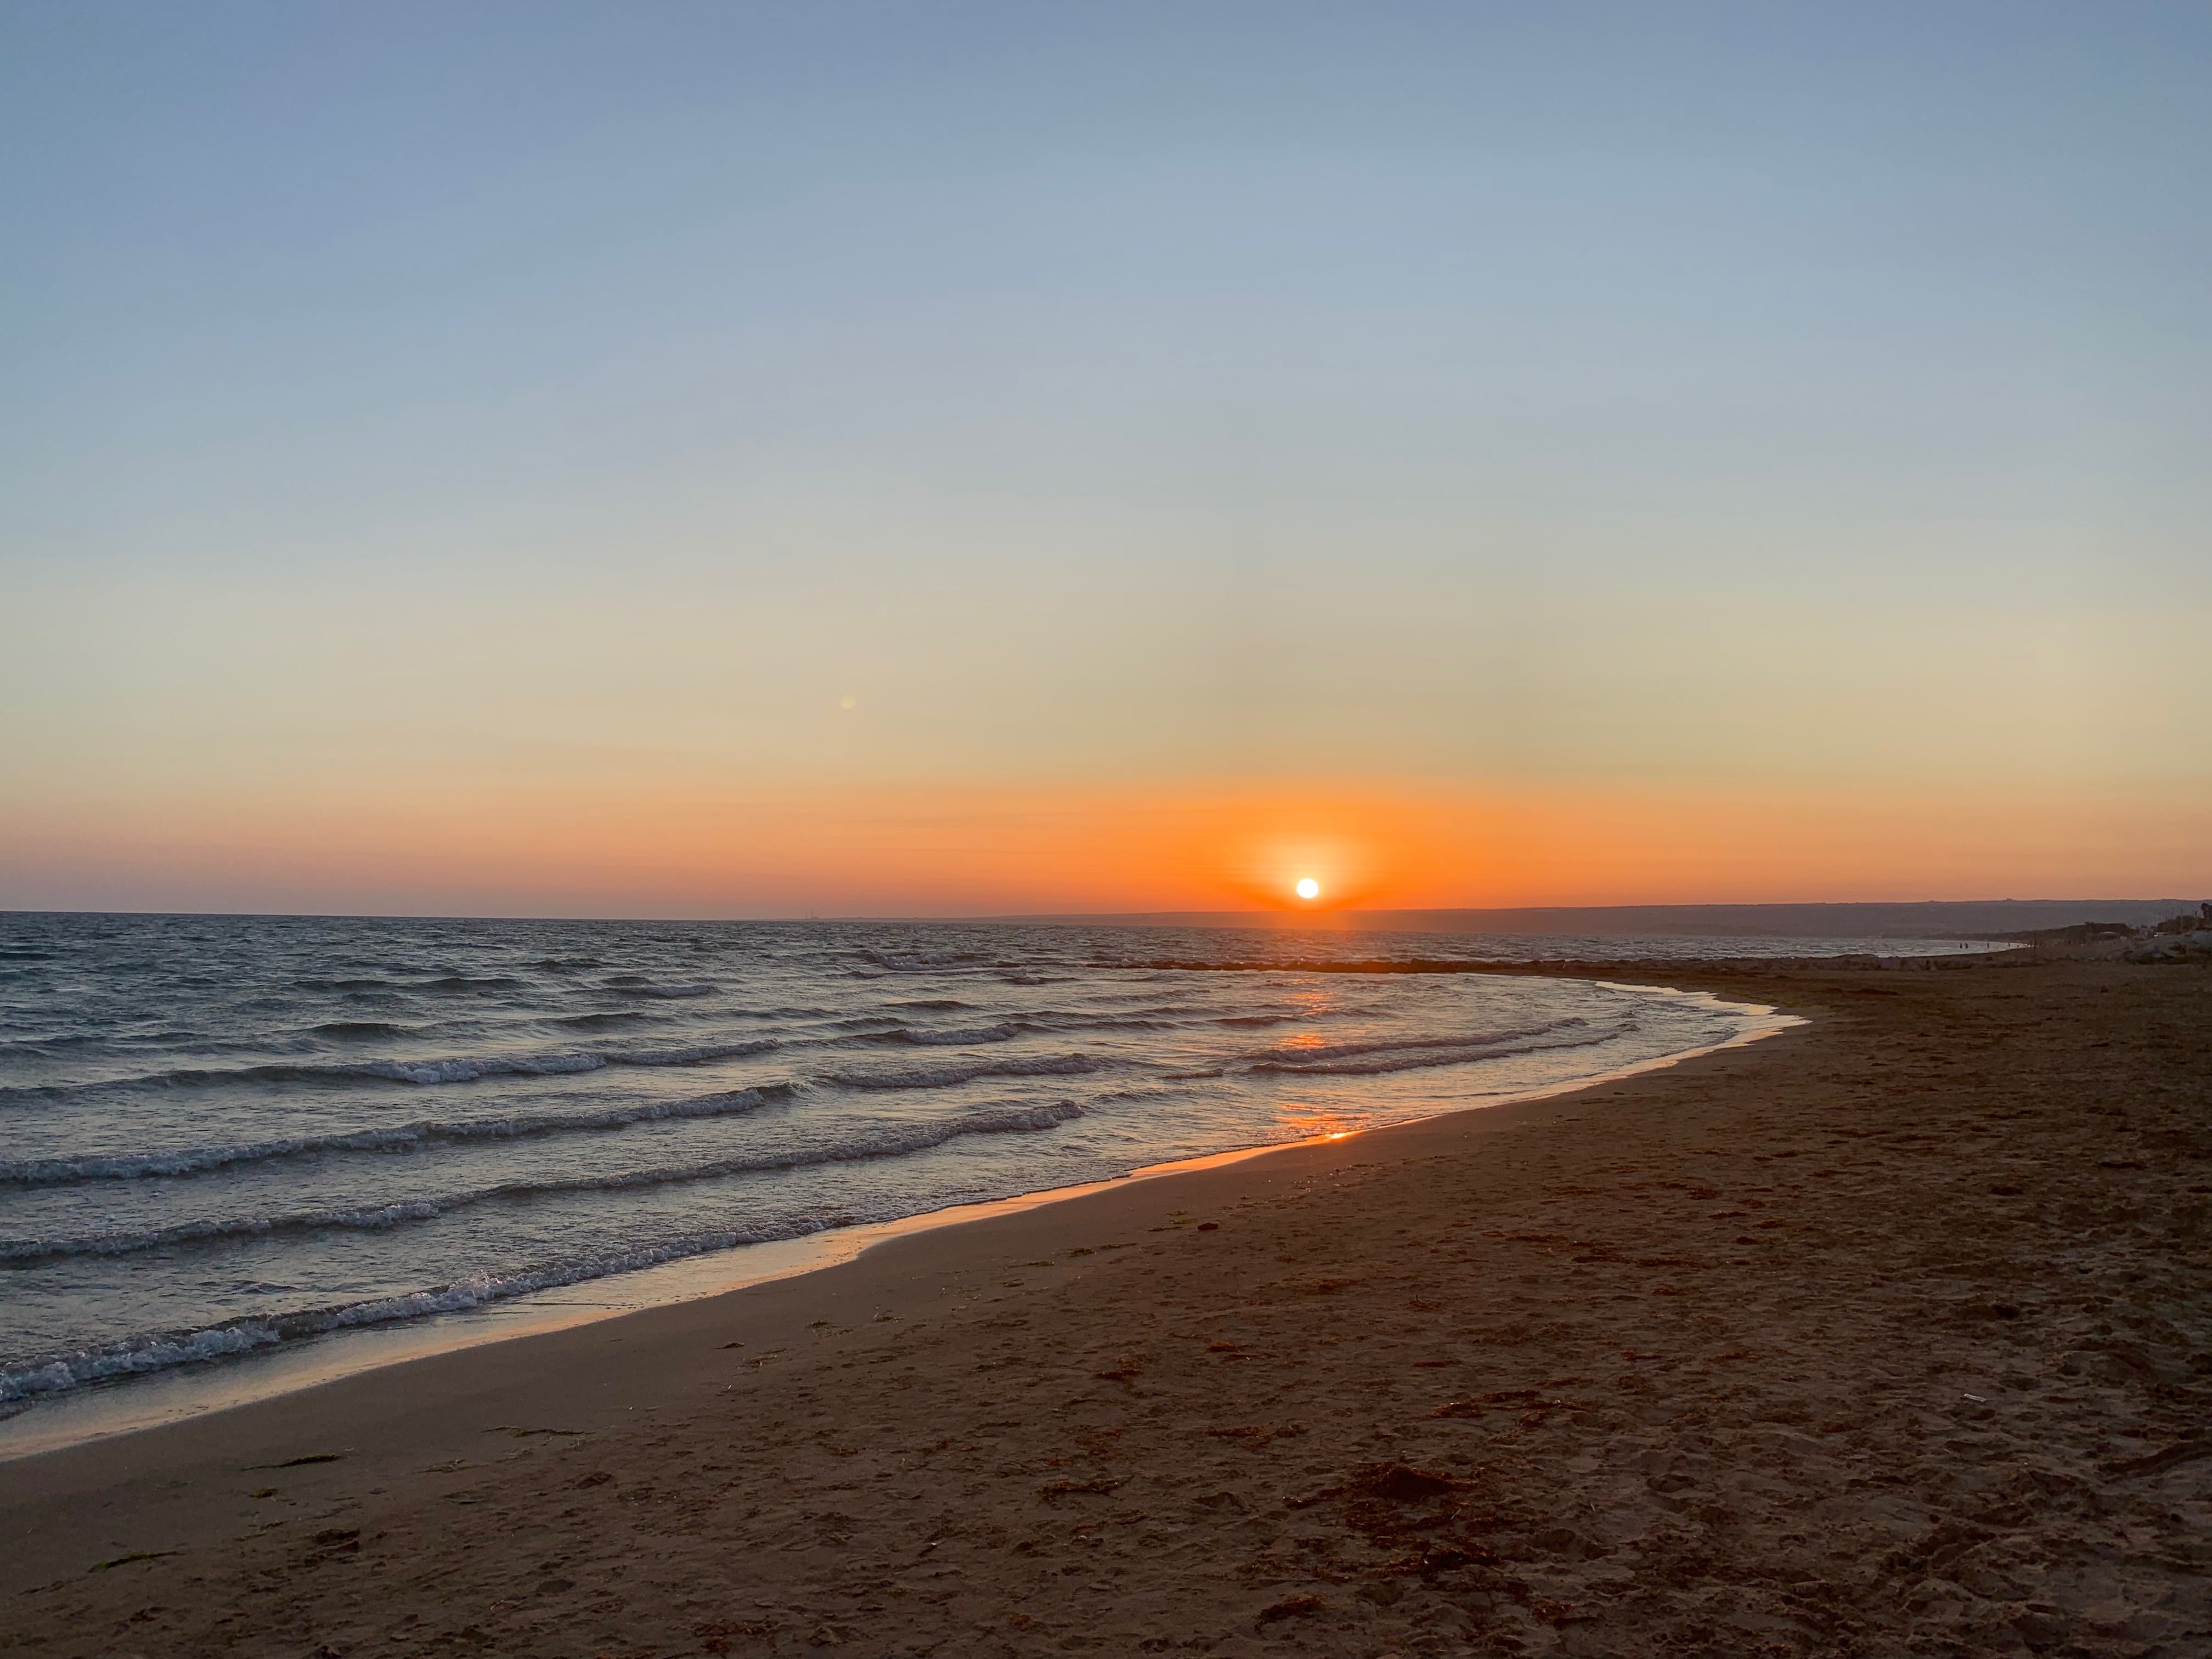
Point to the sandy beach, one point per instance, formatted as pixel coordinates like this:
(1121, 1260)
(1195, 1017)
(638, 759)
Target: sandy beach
(1890, 1335)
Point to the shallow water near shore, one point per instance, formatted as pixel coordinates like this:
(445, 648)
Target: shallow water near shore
(223, 1137)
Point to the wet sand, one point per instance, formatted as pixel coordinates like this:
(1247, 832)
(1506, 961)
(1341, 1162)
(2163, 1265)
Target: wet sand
(1890, 1335)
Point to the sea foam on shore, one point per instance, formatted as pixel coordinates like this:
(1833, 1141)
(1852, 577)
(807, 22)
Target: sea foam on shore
(219, 1134)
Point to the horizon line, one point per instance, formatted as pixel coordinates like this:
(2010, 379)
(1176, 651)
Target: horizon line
(1154, 918)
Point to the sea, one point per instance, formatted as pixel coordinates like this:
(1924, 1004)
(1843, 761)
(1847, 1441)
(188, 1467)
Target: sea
(222, 1135)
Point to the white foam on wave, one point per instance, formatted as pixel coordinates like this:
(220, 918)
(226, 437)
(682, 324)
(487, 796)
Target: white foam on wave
(282, 1235)
(457, 1071)
(198, 1160)
(1004, 1032)
(951, 1076)
(422, 1072)
(1360, 1058)
(892, 1140)
(696, 1055)
(166, 1350)
(1380, 1065)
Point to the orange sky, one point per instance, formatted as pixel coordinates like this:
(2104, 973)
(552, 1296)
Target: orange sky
(734, 460)
(995, 850)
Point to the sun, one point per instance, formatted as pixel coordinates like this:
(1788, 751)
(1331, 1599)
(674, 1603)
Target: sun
(1308, 888)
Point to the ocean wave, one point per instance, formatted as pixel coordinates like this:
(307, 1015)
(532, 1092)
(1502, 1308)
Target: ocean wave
(186, 1245)
(892, 1140)
(1050, 1022)
(422, 1072)
(1301, 1053)
(871, 1028)
(426, 1071)
(166, 1350)
(915, 963)
(1004, 1032)
(199, 1160)
(1411, 1059)
(696, 1055)
(951, 1076)
(44, 1048)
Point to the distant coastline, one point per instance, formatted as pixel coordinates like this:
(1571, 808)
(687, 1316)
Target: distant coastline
(1930, 919)
(1973, 918)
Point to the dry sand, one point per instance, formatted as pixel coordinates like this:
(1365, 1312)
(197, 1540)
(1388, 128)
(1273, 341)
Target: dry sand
(1888, 1335)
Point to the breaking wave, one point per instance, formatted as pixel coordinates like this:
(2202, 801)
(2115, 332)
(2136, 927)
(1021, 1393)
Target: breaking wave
(425, 1073)
(1004, 1032)
(1377, 1059)
(1302, 1051)
(218, 1134)
(199, 1160)
(165, 1350)
(951, 1076)
(898, 1141)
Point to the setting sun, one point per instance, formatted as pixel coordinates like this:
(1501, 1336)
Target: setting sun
(1308, 888)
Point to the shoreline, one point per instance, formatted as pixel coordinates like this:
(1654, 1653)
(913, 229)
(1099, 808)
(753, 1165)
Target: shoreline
(1892, 1337)
(183, 1393)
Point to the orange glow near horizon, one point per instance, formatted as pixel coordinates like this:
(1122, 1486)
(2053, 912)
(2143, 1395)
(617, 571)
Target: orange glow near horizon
(1430, 462)
(979, 850)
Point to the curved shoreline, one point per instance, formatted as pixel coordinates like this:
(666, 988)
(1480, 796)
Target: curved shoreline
(1889, 1336)
(255, 1370)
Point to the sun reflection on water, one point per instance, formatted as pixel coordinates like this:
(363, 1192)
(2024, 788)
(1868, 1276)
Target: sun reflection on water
(1309, 1121)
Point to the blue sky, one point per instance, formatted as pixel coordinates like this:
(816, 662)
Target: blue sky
(1765, 396)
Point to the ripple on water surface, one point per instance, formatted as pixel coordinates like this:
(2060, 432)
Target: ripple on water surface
(405, 1118)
